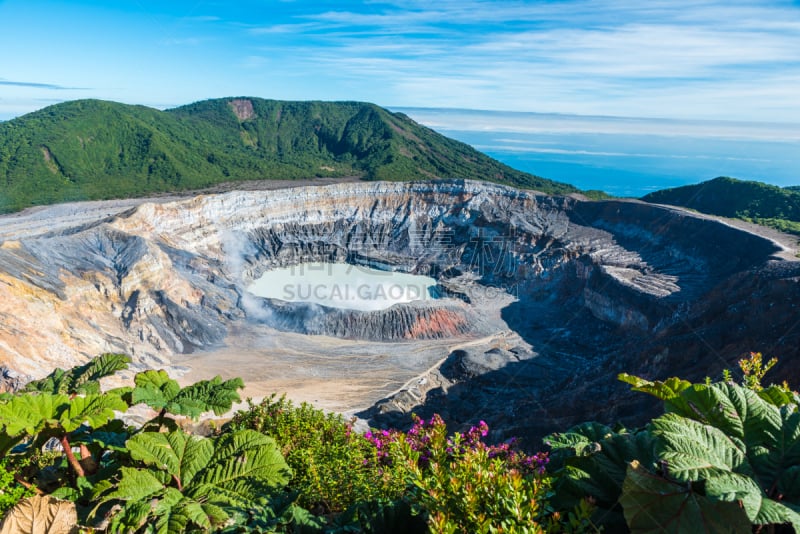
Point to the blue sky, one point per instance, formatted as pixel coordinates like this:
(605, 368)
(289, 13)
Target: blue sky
(722, 60)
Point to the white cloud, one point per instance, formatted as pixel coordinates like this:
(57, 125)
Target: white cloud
(553, 123)
(294, 28)
(568, 152)
(658, 58)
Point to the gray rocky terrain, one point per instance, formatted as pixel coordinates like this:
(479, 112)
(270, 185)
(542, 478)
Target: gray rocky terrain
(544, 299)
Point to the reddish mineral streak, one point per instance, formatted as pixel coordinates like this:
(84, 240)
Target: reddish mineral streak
(437, 324)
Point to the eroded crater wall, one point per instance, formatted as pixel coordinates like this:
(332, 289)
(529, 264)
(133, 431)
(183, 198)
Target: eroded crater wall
(573, 279)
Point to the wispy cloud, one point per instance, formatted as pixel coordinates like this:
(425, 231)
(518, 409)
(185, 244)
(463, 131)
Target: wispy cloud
(293, 28)
(568, 152)
(687, 58)
(184, 41)
(203, 18)
(36, 85)
(554, 123)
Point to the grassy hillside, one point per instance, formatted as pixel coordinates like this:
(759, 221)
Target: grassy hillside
(90, 149)
(757, 202)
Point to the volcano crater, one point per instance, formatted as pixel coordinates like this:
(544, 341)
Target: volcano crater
(537, 296)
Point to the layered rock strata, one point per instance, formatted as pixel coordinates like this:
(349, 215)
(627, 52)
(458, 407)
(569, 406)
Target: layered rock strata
(574, 281)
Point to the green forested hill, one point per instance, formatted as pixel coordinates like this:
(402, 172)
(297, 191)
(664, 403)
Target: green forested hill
(91, 149)
(752, 201)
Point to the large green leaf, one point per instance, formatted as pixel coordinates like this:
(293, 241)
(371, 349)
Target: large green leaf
(169, 517)
(778, 395)
(135, 485)
(130, 518)
(774, 464)
(154, 388)
(579, 436)
(735, 410)
(145, 496)
(598, 472)
(44, 415)
(158, 391)
(96, 410)
(196, 513)
(245, 464)
(175, 512)
(207, 395)
(666, 390)
(180, 455)
(775, 513)
(693, 450)
(172, 511)
(733, 487)
(729, 427)
(190, 482)
(82, 379)
(29, 414)
(654, 504)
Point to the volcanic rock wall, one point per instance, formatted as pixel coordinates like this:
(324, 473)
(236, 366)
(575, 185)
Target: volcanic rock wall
(167, 278)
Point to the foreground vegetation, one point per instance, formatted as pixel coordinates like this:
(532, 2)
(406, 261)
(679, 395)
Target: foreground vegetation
(756, 202)
(91, 149)
(724, 457)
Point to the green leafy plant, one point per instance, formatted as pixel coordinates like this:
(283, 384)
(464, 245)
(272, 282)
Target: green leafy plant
(591, 462)
(39, 417)
(103, 462)
(157, 390)
(654, 503)
(185, 482)
(82, 379)
(725, 456)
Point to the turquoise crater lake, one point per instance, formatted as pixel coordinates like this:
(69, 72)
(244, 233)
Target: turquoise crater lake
(341, 285)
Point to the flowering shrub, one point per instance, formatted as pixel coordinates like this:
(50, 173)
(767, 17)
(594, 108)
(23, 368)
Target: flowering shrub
(753, 368)
(462, 484)
(456, 483)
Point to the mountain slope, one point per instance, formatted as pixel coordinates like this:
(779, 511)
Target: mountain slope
(91, 149)
(757, 202)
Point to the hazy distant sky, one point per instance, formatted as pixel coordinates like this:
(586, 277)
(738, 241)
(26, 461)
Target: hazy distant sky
(715, 59)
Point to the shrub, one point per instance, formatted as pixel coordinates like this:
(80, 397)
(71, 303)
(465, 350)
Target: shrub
(11, 491)
(460, 484)
(332, 464)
